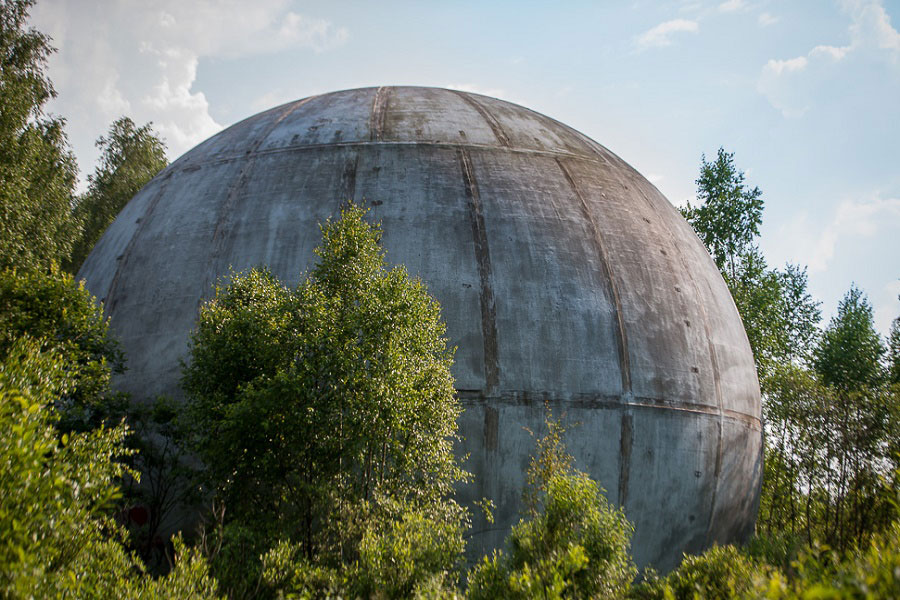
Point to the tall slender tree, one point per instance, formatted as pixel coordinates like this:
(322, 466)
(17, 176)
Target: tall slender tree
(894, 352)
(729, 212)
(37, 169)
(129, 157)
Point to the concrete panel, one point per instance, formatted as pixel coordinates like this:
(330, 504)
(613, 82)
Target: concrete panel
(111, 248)
(739, 482)
(668, 352)
(151, 282)
(419, 197)
(328, 119)
(738, 384)
(501, 439)
(423, 114)
(527, 129)
(550, 282)
(671, 483)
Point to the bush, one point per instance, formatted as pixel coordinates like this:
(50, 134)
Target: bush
(720, 572)
(56, 536)
(414, 548)
(870, 572)
(62, 316)
(573, 545)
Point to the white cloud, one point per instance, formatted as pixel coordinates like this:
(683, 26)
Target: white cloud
(140, 58)
(791, 84)
(660, 35)
(767, 19)
(732, 6)
(852, 221)
(832, 52)
(872, 25)
(792, 64)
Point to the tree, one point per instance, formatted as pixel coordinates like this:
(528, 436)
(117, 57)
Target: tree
(318, 407)
(37, 170)
(894, 352)
(729, 214)
(758, 295)
(571, 544)
(860, 424)
(779, 315)
(56, 495)
(129, 157)
(49, 307)
(850, 353)
(802, 316)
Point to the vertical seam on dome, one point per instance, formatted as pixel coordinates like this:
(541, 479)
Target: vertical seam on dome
(622, 338)
(226, 212)
(377, 116)
(626, 439)
(348, 180)
(491, 120)
(483, 258)
(714, 362)
(111, 301)
(626, 443)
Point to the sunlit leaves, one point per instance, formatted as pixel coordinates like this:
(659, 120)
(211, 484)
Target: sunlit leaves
(315, 407)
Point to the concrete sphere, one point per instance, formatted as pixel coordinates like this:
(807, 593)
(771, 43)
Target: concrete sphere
(565, 278)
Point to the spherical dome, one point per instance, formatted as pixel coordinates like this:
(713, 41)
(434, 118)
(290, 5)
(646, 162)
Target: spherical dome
(564, 276)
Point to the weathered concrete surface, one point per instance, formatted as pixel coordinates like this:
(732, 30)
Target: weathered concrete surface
(565, 277)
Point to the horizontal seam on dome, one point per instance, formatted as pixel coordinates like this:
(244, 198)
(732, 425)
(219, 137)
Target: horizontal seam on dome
(447, 145)
(474, 398)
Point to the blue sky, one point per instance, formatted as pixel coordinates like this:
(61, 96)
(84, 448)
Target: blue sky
(805, 93)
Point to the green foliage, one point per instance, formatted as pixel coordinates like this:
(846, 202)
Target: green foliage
(129, 157)
(894, 352)
(235, 553)
(779, 315)
(56, 538)
(860, 423)
(166, 475)
(757, 294)
(37, 170)
(832, 436)
(870, 572)
(795, 411)
(729, 214)
(573, 545)
(285, 568)
(849, 356)
(408, 552)
(831, 418)
(720, 572)
(51, 308)
(316, 409)
(801, 316)
(778, 550)
(413, 548)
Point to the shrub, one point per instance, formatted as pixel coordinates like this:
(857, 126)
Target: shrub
(56, 536)
(574, 544)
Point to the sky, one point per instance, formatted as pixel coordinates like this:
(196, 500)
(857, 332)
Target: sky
(805, 93)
